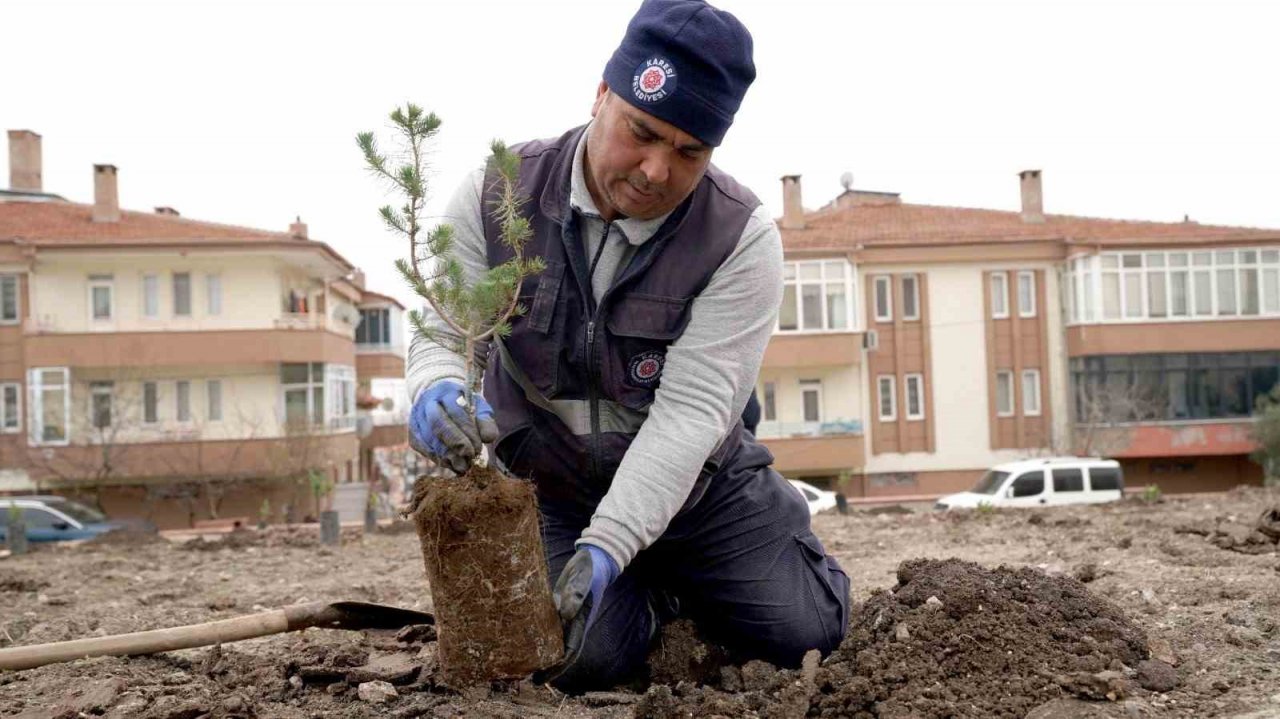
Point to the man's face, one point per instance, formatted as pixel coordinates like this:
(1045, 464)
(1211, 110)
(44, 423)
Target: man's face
(637, 165)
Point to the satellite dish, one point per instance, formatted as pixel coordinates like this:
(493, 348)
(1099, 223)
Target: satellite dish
(847, 180)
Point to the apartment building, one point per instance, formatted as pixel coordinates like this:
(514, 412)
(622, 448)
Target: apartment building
(178, 368)
(918, 345)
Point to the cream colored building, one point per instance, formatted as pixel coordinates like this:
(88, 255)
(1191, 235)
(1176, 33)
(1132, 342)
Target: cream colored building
(918, 345)
(157, 360)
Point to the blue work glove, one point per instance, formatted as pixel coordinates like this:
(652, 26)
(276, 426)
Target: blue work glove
(579, 593)
(441, 428)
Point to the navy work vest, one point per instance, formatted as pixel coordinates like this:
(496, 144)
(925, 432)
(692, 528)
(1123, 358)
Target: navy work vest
(573, 381)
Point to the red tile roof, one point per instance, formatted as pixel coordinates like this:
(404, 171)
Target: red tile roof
(895, 225)
(58, 223)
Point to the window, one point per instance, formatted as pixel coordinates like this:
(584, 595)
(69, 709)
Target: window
(374, 327)
(811, 394)
(1004, 393)
(35, 518)
(1031, 392)
(915, 396)
(817, 295)
(770, 407)
(884, 298)
(999, 295)
(342, 396)
(150, 296)
(910, 297)
(10, 407)
(1171, 387)
(1026, 294)
(182, 395)
(1104, 478)
(1226, 283)
(303, 389)
(1068, 480)
(50, 402)
(100, 404)
(213, 390)
(182, 294)
(9, 299)
(887, 391)
(100, 305)
(1029, 485)
(213, 290)
(150, 402)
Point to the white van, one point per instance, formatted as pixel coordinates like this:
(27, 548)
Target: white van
(1043, 482)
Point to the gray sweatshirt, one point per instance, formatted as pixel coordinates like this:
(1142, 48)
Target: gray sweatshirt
(709, 374)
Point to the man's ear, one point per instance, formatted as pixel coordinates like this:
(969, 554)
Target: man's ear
(602, 94)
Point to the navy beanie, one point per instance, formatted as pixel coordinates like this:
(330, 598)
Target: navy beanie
(684, 62)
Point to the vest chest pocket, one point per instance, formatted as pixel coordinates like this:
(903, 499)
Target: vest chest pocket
(641, 327)
(543, 307)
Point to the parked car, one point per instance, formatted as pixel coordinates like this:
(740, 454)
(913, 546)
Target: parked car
(1043, 483)
(50, 518)
(819, 500)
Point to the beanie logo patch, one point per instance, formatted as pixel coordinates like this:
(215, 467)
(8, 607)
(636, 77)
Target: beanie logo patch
(654, 80)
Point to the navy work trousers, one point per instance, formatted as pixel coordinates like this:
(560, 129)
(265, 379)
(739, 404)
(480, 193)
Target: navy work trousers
(741, 563)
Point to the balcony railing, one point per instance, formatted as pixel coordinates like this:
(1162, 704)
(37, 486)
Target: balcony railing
(776, 430)
(380, 348)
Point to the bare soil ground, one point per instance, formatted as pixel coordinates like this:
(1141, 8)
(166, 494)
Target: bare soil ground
(1061, 631)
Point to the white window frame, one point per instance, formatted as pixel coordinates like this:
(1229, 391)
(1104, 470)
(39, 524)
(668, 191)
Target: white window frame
(173, 293)
(917, 380)
(35, 401)
(1086, 275)
(915, 296)
(814, 386)
(1030, 408)
(1030, 277)
(11, 424)
(1001, 312)
(309, 386)
(213, 294)
(792, 271)
(887, 282)
(1007, 376)
(17, 299)
(891, 393)
(156, 394)
(150, 281)
(340, 396)
(97, 389)
(108, 283)
(213, 400)
(769, 410)
(178, 408)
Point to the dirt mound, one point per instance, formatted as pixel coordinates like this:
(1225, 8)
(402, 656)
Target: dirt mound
(128, 537)
(952, 639)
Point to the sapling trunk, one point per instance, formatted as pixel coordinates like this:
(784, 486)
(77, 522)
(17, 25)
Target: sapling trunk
(480, 535)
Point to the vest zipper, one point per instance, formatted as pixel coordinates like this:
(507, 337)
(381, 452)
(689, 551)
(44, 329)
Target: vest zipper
(593, 380)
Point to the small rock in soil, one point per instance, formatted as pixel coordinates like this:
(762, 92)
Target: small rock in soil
(1086, 572)
(417, 633)
(171, 706)
(1156, 676)
(1162, 650)
(390, 668)
(94, 698)
(376, 692)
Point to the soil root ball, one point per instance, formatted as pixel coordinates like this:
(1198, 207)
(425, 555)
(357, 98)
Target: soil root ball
(488, 575)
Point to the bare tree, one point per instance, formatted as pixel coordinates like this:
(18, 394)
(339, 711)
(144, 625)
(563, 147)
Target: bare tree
(1107, 415)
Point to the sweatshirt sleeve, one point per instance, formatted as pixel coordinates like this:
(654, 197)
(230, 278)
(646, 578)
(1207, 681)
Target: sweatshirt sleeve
(709, 374)
(428, 362)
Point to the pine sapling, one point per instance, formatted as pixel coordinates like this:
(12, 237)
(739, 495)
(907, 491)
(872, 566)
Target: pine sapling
(473, 312)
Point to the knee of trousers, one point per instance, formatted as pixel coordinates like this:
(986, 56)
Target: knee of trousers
(819, 621)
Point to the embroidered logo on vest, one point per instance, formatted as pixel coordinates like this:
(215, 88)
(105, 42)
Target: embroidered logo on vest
(654, 80)
(645, 369)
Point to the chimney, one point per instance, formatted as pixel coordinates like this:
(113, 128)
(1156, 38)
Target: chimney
(106, 200)
(357, 278)
(1032, 196)
(792, 209)
(167, 211)
(298, 229)
(25, 164)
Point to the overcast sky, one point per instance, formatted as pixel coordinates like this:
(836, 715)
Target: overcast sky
(245, 112)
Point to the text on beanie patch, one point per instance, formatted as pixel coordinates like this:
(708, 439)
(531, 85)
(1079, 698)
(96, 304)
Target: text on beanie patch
(654, 80)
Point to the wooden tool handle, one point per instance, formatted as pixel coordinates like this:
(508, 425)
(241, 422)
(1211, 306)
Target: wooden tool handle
(156, 640)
